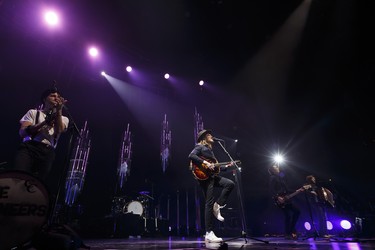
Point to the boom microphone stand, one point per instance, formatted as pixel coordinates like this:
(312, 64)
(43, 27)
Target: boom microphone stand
(240, 199)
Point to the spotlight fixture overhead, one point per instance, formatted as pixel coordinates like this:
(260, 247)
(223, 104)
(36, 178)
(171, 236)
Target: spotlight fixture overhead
(278, 158)
(51, 18)
(166, 76)
(129, 69)
(201, 82)
(93, 52)
(103, 73)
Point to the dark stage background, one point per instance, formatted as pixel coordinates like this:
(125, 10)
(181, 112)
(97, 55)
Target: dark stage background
(295, 77)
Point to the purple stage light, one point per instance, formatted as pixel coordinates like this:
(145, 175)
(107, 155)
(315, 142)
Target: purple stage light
(93, 52)
(329, 225)
(51, 18)
(307, 226)
(201, 82)
(129, 69)
(345, 224)
(166, 76)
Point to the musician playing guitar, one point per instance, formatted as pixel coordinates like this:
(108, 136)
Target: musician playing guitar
(278, 189)
(202, 156)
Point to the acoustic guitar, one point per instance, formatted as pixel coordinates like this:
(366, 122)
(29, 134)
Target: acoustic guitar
(202, 171)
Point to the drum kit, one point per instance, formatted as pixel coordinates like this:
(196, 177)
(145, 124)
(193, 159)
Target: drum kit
(125, 205)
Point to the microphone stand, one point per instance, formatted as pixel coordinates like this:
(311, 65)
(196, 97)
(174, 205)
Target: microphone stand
(73, 128)
(240, 199)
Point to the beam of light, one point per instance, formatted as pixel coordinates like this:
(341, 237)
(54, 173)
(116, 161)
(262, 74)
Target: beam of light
(129, 69)
(103, 73)
(145, 105)
(51, 18)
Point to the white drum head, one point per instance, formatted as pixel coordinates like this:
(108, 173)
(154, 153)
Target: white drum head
(134, 207)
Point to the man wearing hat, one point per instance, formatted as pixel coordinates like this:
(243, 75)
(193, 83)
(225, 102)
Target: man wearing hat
(203, 156)
(40, 131)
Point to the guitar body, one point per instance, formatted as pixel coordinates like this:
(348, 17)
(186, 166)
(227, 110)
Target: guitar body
(281, 200)
(203, 172)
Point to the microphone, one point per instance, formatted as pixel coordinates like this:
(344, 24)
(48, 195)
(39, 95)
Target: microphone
(217, 139)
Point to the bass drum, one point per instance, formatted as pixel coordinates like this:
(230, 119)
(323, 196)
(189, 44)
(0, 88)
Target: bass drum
(24, 208)
(133, 207)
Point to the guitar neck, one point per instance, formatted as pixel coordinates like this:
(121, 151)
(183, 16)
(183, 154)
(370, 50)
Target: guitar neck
(224, 163)
(293, 194)
(298, 191)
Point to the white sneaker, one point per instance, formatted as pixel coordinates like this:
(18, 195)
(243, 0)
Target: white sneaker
(210, 237)
(216, 211)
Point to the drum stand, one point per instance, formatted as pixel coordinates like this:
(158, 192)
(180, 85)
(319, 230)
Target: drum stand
(243, 233)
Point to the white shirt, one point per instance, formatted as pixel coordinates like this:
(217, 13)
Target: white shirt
(45, 135)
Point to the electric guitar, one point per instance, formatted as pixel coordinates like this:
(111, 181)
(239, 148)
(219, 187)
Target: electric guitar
(282, 199)
(202, 171)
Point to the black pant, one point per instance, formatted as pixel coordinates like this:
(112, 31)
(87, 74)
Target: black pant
(208, 192)
(291, 215)
(35, 158)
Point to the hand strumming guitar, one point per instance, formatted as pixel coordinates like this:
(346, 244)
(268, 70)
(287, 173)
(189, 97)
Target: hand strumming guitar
(210, 165)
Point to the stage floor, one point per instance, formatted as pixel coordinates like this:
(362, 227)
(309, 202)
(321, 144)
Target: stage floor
(230, 243)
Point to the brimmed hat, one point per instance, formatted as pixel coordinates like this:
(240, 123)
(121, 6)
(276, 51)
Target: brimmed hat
(202, 133)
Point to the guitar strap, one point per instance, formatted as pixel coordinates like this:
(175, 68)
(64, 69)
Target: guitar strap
(36, 122)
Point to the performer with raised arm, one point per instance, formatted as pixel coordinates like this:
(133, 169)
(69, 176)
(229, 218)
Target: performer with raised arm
(206, 168)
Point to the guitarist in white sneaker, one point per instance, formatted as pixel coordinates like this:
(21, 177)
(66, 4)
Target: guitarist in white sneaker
(203, 157)
(280, 191)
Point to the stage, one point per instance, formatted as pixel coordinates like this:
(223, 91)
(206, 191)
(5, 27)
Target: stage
(230, 243)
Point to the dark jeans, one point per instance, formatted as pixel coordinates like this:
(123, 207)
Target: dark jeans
(319, 218)
(35, 158)
(207, 186)
(291, 215)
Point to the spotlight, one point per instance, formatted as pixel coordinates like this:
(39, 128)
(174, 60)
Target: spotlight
(201, 82)
(51, 18)
(235, 140)
(103, 73)
(329, 225)
(129, 69)
(278, 158)
(93, 52)
(166, 76)
(345, 224)
(307, 226)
